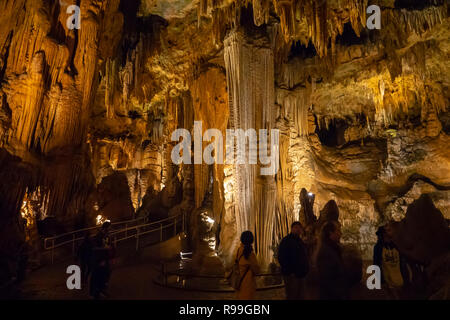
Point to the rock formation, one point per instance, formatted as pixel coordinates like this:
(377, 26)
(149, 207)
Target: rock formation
(86, 115)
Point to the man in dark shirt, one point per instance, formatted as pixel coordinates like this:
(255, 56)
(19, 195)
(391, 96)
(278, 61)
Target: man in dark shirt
(294, 262)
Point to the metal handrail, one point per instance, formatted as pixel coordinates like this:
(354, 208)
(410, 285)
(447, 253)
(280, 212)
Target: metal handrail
(128, 235)
(185, 276)
(161, 227)
(214, 276)
(53, 238)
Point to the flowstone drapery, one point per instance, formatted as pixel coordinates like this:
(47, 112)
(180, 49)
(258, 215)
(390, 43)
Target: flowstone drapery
(250, 80)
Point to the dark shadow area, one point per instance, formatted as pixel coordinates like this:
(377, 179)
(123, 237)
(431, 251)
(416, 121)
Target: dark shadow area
(247, 22)
(334, 135)
(349, 37)
(113, 196)
(133, 114)
(444, 117)
(300, 50)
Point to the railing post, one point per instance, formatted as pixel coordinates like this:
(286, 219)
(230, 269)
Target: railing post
(73, 244)
(137, 238)
(53, 248)
(126, 230)
(164, 273)
(182, 223)
(160, 232)
(175, 227)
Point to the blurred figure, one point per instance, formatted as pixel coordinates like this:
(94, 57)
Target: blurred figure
(248, 267)
(294, 262)
(102, 239)
(393, 266)
(22, 262)
(100, 275)
(333, 282)
(103, 253)
(84, 255)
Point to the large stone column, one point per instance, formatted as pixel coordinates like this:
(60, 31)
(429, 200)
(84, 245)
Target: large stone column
(250, 78)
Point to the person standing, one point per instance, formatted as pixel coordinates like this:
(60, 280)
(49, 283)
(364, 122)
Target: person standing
(100, 273)
(102, 253)
(393, 266)
(248, 267)
(294, 262)
(85, 256)
(333, 284)
(102, 238)
(22, 262)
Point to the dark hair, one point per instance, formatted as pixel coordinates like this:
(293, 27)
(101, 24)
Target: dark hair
(247, 241)
(296, 223)
(106, 225)
(327, 229)
(380, 233)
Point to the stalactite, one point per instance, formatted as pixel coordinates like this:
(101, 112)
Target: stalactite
(50, 85)
(250, 78)
(286, 11)
(285, 214)
(110, 86)
(296, 105)
(419, 21)
(393, 98)
(224, 17)
(127, 81)
(260, 11)
(320, 29)
(323, 21)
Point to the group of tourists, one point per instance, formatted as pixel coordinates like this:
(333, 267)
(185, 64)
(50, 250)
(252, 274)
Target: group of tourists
(95, 256)
(296, 258)
(326, 260)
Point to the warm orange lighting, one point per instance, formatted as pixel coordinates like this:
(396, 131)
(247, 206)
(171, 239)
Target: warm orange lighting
(101, 220)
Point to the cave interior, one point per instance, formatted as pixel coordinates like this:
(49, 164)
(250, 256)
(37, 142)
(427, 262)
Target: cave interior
(87, 117)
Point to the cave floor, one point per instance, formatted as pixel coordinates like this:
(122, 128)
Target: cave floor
(135, 282)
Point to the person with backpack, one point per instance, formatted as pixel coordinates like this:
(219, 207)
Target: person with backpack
(246, 268)
(393, 266)
(294, 262)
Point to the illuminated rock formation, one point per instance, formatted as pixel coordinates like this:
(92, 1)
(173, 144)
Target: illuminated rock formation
(86, 115)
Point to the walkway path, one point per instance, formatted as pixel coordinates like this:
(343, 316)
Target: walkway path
(135, 282)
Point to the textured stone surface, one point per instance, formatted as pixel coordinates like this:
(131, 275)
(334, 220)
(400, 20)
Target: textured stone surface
(363, 121)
